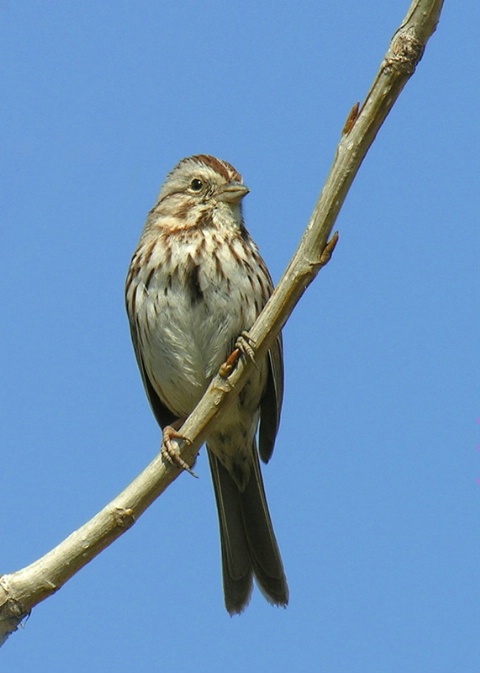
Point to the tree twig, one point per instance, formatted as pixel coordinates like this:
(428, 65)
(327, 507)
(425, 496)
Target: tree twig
(22, 590)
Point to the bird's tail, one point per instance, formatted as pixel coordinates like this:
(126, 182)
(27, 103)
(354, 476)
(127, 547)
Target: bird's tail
(249, 546)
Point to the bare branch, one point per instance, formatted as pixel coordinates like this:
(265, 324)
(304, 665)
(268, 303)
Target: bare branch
(22, 590)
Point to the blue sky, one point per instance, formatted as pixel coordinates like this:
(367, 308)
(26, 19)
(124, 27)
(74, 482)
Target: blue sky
(374, 486)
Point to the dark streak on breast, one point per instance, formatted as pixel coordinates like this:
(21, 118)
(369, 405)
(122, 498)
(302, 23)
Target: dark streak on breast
(149, 278)
(193, 283)
(244, 233)
(148, 253)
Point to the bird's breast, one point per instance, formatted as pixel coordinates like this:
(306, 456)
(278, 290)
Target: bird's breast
(193, 307)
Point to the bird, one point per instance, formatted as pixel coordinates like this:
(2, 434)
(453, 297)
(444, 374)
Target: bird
(195, 285)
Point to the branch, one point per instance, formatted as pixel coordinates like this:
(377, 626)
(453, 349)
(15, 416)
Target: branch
(22, 590)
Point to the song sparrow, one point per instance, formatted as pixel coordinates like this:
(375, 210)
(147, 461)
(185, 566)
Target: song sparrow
(195, 283)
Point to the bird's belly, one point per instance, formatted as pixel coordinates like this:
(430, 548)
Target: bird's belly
(187, 342)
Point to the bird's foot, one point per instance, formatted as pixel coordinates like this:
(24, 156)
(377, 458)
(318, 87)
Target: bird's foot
(244, 345)
(171, 453)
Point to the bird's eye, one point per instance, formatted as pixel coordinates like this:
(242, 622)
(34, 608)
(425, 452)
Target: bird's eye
(196, 185)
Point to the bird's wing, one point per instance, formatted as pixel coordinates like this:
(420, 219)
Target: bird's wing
(271, 404)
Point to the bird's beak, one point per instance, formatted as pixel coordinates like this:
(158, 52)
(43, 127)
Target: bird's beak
(233, 193)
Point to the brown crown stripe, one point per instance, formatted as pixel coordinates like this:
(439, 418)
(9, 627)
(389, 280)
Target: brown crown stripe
(225, 169)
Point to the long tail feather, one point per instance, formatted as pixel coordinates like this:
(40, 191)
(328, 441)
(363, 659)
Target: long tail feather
(249, 546)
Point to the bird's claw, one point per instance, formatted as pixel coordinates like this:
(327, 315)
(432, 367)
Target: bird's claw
(246, 345)
(170, 452)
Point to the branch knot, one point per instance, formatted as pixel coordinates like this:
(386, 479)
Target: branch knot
(405, 53)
